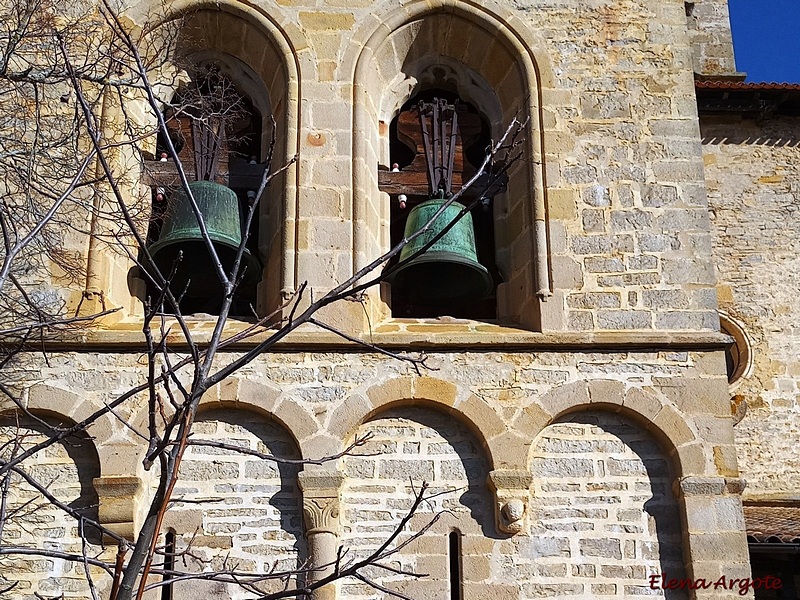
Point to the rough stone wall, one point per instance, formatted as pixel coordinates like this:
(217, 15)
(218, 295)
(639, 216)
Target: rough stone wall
(626, 204)
(249, 518)
(753, 174)
(604, 517)
(710, 30)
(66, 470)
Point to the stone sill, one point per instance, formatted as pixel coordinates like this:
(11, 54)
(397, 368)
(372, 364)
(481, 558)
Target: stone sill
(408, 334)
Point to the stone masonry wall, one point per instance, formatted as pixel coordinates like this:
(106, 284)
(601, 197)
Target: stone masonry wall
(417, 445)
(604, 517)
(320, 387)
(624, 207)
(249, 518)
(753, 174)
(710, 30)
(620, 170)
(66, 470)
(252, 515)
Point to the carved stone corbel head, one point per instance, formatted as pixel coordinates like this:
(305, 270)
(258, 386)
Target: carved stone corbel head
(510, 489)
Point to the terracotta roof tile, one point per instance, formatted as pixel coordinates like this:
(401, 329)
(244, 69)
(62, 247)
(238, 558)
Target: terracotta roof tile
(773, 524)
(742, 85)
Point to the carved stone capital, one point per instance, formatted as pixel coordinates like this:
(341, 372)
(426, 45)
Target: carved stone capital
(321, 515)
(510, 489)
(321, 500)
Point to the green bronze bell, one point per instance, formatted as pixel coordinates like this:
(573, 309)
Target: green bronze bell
(447, 271)
(181, 232)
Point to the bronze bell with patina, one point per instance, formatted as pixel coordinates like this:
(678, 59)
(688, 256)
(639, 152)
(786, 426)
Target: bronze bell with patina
(447, 271)
(181, 233)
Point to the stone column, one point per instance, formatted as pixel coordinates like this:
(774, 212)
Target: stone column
(321, 512)
(510, 489)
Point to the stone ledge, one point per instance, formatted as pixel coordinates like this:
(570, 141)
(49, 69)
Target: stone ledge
(411, 335)
(709, 486)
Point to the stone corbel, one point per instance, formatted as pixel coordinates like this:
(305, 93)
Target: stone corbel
(118, 497)
(510, 488)
(708, 486)
(321, 502)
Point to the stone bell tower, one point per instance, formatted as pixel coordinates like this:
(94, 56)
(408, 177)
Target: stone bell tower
(575, 424)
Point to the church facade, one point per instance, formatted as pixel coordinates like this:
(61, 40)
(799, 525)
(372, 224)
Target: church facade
(586, 425)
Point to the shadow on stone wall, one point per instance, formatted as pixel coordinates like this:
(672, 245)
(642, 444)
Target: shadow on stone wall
(773, 132)
(249, 515)
(411, 445)
(603, 503)
(66, 470)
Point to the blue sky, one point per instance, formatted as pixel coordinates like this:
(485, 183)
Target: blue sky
(766, 39)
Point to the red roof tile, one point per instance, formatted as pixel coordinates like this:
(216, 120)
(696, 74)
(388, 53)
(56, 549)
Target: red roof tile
(742, 85)
(773, 524)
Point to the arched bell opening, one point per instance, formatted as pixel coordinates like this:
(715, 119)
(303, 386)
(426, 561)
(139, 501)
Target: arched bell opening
(437, 143)
(217, 131)
(245, 48)
(464, 50)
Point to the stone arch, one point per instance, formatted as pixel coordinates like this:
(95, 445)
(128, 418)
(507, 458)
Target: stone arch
(66, 470)
(421, 443)
(247, 34)
(272, 49)
(672, 428)
(233, 506)
(118, 482)
(268, 401)
(604, 511)
(404, 42)
(74, 408)
(437, 394)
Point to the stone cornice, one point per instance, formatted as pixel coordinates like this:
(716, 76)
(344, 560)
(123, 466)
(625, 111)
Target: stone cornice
(409, 336)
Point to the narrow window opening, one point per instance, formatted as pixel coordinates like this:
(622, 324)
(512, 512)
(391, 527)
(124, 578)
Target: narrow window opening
(454, 555)
(169, 564)
(689, 8)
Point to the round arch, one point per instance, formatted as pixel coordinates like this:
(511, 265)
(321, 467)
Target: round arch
(65, 404)
(428, 392)
(669, 426)
(274, 50)
(265, 400)
(70, 466)
(512, 65)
